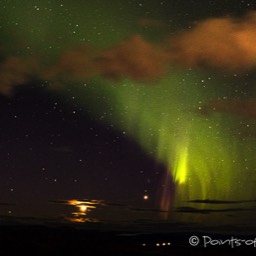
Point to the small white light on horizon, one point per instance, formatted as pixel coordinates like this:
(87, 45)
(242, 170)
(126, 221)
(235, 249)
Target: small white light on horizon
(145, 197)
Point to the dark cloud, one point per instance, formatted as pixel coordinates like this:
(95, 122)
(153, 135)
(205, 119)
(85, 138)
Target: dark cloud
(208, 211)
(147, 210)
(242, 108)
(207, 201)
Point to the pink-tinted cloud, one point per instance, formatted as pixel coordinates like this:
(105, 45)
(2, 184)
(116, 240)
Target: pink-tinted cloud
(224, 43)
(134, 58)
(76, 63)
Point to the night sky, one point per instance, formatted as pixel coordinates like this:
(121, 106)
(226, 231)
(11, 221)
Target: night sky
(128, 110)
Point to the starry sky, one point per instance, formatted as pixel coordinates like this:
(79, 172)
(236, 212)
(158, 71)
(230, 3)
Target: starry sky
(137, 109)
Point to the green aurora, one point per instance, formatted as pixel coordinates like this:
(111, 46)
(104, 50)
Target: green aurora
(202, 153)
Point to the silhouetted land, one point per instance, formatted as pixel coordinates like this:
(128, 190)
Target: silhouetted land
(68, 240)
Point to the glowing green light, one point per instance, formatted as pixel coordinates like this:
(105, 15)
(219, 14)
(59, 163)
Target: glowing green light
(180, 167)
(199, 151)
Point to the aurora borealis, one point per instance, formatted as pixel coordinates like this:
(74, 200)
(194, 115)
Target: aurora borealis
(176, 80)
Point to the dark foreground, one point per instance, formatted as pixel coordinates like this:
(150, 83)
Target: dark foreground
(42, 240)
